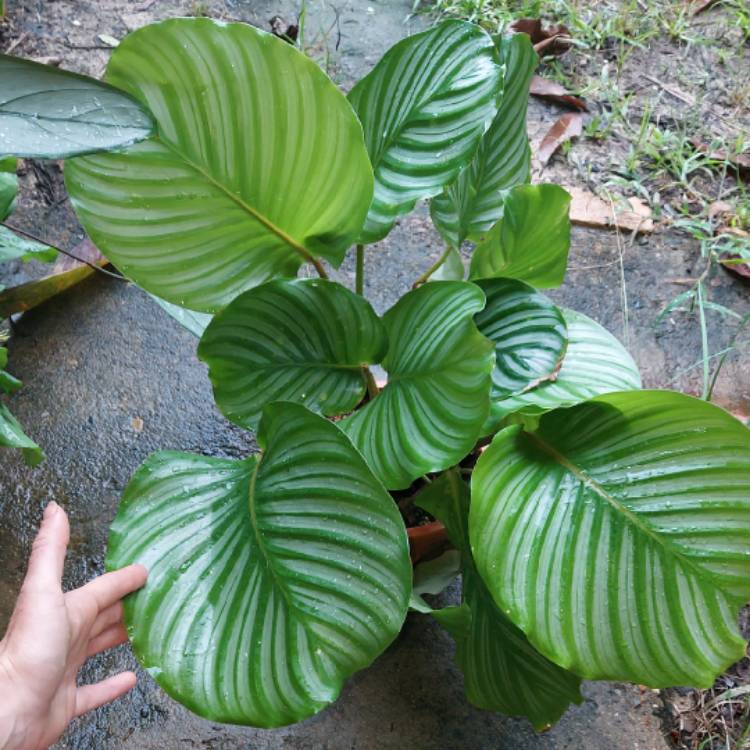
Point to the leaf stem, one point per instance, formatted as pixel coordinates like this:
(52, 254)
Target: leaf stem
(318, 267)
(372, 386)
(434, 267)
(359, 283)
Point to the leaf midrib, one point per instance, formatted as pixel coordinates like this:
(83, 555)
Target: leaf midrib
(270, 567)
(632, 517)
(257, 215)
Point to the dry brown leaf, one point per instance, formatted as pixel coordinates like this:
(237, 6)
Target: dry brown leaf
(566, 127)
(552, 40)
(735, 264)
(588, 210)
(719, 208)
(66, 273)
(552, 91)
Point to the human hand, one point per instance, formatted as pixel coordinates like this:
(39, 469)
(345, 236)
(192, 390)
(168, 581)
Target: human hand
(51, 634)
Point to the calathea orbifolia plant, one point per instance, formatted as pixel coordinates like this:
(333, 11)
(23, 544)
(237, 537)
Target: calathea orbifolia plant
(604, 531)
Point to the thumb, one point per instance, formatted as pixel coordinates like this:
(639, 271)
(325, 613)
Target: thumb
(48, 553)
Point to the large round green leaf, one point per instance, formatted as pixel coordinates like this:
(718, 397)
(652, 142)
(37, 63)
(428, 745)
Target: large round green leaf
(424, 108)
(502, 670)
(429, 415)
(531, 241)
(49, 113)
(271, 580)
(528, 331)
(617, 536)
(259, 165)
(474, 202)
(304, 340)
(595, 363)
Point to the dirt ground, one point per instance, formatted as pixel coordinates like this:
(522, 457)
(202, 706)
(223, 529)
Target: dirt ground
(94, 359)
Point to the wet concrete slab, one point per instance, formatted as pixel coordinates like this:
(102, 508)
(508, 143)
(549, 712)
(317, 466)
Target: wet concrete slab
(109, 378)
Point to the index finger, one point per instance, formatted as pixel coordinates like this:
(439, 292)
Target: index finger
(109, 588)
(48, 553)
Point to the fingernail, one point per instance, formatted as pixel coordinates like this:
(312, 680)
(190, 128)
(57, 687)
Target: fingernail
(51, 509)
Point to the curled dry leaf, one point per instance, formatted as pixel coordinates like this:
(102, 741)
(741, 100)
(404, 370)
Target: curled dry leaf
(552, 91)
(550, 40)
(588, 210)
(570, 125)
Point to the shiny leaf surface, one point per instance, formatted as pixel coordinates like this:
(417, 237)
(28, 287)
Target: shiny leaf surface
(532, 239)
(474, 202)
(528, 331)
(428, 416)
(49, 113)
(259, 165)
(304, 340)
(595, 363)
(617, 536)
(502, 670)
(424, 108)
(271, 580)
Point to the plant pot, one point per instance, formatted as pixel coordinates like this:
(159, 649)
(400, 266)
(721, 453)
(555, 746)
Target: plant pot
(427, 541)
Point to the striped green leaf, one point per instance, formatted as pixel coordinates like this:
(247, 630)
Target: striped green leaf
(595, 363)
(424, 108)
(428, 416)
(271, 580)
(531, 241)
(502, 670)
(617, 536)
(49, 113)
(474, 202)
(528, 331)
(259, 165)
(304, 340)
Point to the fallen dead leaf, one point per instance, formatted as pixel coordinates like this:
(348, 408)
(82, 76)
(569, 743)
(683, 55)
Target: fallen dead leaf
(552, 91)
(740, 163)
(66, 273)
(552, 40)
(589, 210)
(566, 127)
(719, 208)
(735, 265)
